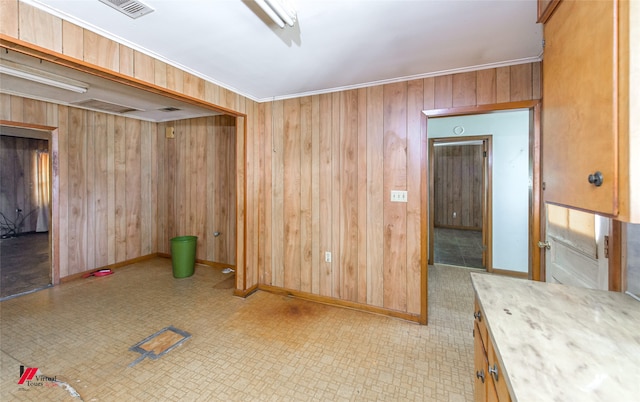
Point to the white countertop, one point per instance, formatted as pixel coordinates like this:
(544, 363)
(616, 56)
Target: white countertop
(561, 343)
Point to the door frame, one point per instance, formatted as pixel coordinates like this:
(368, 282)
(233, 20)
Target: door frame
(536, 256)
(54, 244)
(242, 288)
(487, 239)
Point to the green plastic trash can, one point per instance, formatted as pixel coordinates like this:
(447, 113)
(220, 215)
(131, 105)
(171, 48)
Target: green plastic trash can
(183, 255)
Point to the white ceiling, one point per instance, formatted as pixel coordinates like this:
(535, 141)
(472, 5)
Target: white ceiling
(334, 45)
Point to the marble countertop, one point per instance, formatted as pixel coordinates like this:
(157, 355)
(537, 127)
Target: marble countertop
(561, 343)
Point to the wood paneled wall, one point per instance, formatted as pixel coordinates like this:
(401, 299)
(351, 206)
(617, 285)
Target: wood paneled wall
(327, 164)
(326, 189)
(107, 182)
(125, 189)
(17, 178)
(458, 176)
(27, 23)
(197, 179)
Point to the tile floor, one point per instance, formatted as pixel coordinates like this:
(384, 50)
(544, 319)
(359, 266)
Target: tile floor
(462, 248)
(265, 347)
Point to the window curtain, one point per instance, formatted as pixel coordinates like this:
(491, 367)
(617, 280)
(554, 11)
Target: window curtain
(42, 191)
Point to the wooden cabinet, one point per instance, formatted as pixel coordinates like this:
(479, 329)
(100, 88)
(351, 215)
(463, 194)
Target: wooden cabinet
(587, 124)
(490, 383)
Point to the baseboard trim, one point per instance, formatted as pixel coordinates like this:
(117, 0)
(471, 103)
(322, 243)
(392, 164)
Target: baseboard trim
(341, 303)
(245, 293)
(515, 274)
(204, 262)
(73, 277)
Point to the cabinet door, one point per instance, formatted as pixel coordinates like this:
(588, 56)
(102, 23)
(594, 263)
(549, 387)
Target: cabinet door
(496, 376)
(580, 116)
(480, 365)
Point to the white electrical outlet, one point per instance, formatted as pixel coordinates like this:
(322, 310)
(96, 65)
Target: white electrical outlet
(327, 256)
(398, 196)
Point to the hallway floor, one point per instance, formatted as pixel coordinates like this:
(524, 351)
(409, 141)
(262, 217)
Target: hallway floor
(24, 263)
(462, 248)
(265, 347)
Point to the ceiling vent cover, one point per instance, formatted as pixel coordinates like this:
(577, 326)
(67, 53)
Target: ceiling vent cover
(132, 8)
(97, 104)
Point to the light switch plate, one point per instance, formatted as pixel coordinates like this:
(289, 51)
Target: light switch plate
(398, 196)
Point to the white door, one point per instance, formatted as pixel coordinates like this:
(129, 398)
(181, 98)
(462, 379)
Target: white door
(575, 254)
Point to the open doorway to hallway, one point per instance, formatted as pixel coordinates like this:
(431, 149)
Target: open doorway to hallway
(25, 198)
(511, 198)
(460, 189)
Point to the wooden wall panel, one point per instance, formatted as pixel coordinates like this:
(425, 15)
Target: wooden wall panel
(254, 161)
(265, 203)
(101, 190)
(101, 51)
(306, 190)
(120, 170)
(486, 86)
(503, 84)
(521, 79)
(277, 215)
(72, 40)
(143, 66)
(464, 89)
(193, 86)
(9, 17)
(394, 214)
(126, 60)
(77, 219)
(109, 185)
(364, 143)
(458, 186)
(325, 192)
(146, 201)
(443, 92)
(292, 188)
(195, 186)
(336, 178)
(91, 196)
(63, 189)
(348, 191)
(39, 27)
(416, 124)
(361, 192)
(375, 196)
(111, 189)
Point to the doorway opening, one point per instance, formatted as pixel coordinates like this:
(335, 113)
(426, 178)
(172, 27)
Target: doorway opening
(513, 218)
(460, 183)
(25, 211)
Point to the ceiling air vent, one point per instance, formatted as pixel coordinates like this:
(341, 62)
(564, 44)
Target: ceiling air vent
(132, 8)
(96, 104)
(169, 109)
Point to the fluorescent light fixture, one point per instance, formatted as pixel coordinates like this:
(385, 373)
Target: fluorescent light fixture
(277, 12)
(41, 77)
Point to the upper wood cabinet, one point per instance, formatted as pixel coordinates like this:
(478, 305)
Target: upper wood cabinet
(545, 9)
(590, 74)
